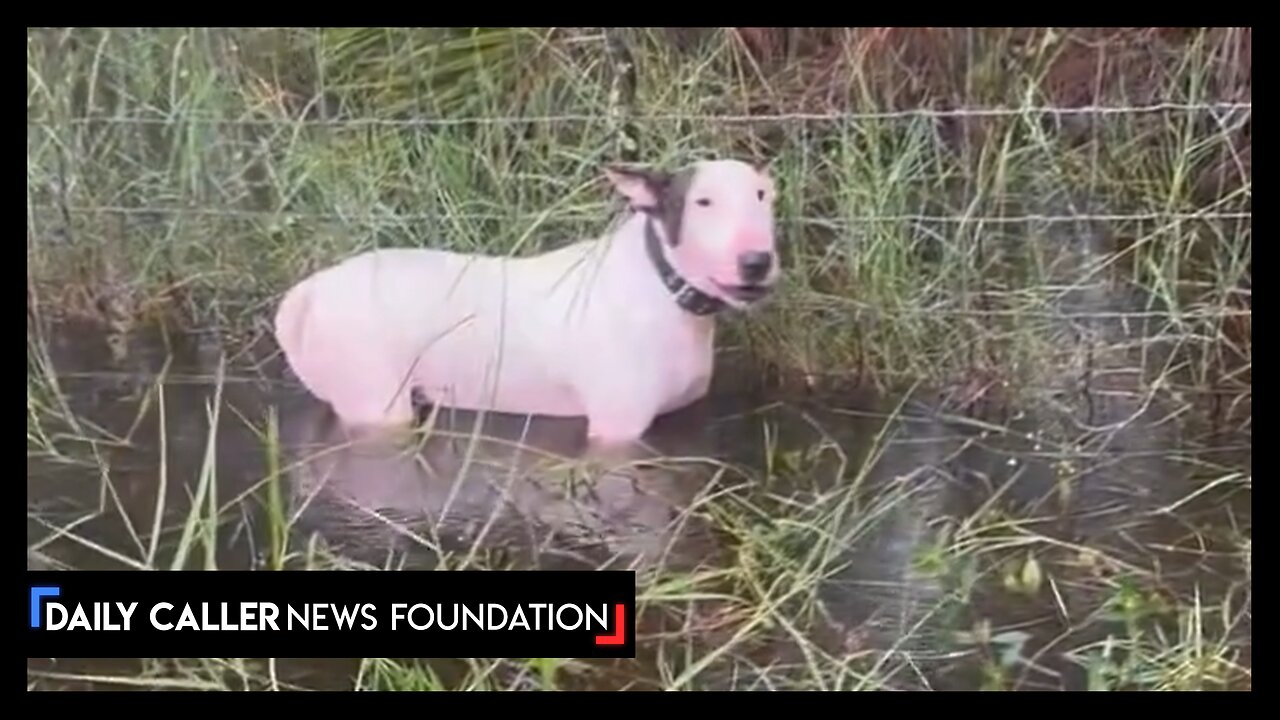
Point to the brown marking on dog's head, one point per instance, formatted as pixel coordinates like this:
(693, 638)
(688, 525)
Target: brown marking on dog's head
(718, 218)
(655, 192)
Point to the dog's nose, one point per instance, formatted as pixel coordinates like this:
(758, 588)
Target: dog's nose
(754, 266)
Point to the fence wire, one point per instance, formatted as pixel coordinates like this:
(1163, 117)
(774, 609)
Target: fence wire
(1228, 116)
(1225, 109)
(1221, 110)
(833, 221)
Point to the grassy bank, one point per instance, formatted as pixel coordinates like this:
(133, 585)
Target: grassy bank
(989, 213)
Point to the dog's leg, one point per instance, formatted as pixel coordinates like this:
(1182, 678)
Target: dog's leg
(374, 410)
(373, 397)
(616, 424)
(619, 406)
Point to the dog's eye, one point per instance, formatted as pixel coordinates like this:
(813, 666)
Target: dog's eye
(704, 202)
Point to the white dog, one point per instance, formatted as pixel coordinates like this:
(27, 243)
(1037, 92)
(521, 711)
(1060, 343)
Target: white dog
(618, 329)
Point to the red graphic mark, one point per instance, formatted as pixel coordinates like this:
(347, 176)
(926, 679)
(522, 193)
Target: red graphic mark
(619, 634)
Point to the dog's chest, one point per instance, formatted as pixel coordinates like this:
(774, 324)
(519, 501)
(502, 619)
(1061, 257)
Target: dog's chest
(685, 360)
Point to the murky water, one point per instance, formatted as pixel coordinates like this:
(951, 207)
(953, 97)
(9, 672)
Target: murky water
(885, 494)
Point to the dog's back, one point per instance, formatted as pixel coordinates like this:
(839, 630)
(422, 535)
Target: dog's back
(443, 321)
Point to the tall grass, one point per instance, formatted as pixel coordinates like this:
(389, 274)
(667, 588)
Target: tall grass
(216, 167)
(950, 204)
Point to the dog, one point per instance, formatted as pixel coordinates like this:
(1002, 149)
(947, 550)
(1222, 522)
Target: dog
(619, 329)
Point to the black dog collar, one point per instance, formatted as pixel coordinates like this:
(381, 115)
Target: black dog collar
(688, 297)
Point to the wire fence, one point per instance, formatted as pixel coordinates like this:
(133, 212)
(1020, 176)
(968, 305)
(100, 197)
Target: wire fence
(900, 192)
(1229, 116)
(1221, 111)
(1032, 218)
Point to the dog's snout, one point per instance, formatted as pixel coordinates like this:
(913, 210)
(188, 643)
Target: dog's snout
(754, 266)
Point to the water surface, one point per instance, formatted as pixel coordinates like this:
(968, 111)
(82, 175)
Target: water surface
(895, 508)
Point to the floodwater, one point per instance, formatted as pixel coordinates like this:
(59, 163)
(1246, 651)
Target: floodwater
(883, 474)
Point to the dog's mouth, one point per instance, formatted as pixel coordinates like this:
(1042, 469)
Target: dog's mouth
(745, 293)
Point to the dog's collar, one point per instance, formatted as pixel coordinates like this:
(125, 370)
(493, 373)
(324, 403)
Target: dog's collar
(688, 297)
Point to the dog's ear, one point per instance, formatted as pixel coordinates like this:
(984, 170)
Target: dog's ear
(643, 188)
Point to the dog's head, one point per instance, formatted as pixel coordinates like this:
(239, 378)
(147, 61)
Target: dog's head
(716, 221)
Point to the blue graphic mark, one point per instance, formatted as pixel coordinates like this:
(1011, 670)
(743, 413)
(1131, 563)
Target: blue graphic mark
(38, 592)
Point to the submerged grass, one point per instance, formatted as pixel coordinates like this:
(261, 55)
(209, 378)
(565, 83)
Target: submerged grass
(197, 173)
(764, 616)
(754, 620)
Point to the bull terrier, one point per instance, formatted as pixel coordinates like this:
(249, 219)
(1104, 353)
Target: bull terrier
(619, 329)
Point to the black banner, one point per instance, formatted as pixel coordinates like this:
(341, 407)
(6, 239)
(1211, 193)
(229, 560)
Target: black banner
(442, 614)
